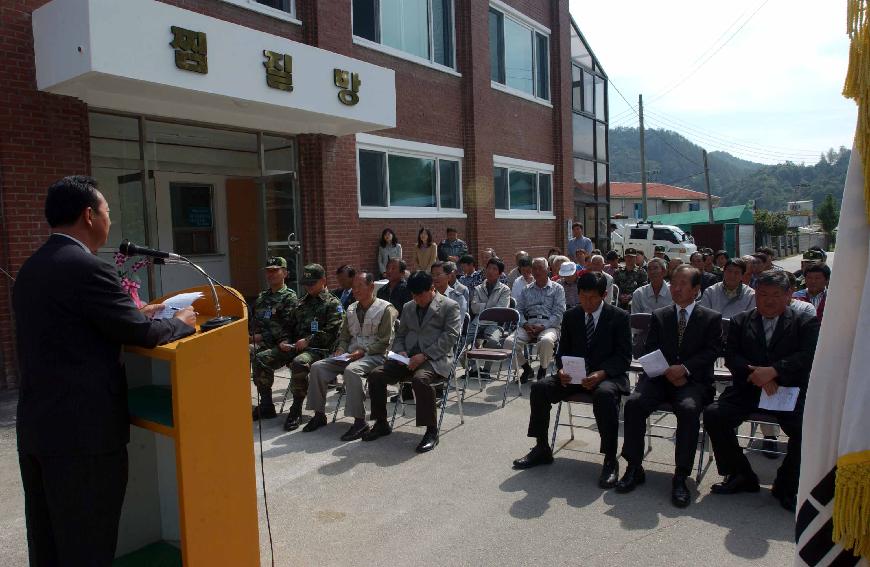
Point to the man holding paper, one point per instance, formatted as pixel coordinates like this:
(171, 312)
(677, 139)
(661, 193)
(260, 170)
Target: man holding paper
(593, 359)
(366, 333)
(685, 340)
(769, 351)
(429, 327)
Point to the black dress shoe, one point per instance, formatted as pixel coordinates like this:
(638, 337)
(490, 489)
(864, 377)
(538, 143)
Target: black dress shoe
(680, 495)
(266, 411)
(788, 501)
(318, 421)
(472, 373)
(770, 445)
(539, 455)
(380, 429)
(634, 475)
(734, 483)
(355, 432)
(609, 473)
(429, 441)
(407, 392)
(526, 375)
(541, 373)
(292, 422)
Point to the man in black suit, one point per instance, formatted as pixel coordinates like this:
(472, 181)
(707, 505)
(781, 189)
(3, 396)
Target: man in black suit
(690, 338)
(601, 334)
(768, 347)
(72, 316)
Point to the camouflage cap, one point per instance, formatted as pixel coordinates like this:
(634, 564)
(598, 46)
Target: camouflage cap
(312, 273)
(660, 248)
(630, 252)
(813, 256)
(276, 262)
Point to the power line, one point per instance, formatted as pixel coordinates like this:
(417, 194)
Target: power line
(661, 117)
(709, 57)
(756, 153)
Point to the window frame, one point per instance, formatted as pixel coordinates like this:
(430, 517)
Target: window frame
(215, 236)
(534, 29)
(430, 62)
(419, 150)
(525, 166)
(255, 6)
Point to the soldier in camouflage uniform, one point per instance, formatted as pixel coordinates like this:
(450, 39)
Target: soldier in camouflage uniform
(309, 335)
(271, 312)
(628, 279)
(810, 258)
(660, 253)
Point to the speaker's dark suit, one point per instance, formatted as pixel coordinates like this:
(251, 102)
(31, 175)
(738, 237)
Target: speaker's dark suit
(702, 342)
(72, 317)
(610, 351)
(791, 351)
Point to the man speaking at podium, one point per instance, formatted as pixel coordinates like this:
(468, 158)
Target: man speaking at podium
(72, 318)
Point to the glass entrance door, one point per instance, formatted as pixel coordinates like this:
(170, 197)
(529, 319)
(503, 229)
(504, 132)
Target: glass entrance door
(280, 213)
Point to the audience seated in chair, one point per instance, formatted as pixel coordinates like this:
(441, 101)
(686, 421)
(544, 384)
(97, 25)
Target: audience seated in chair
(600, 334)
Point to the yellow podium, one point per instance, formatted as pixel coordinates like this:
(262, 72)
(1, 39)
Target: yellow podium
(191, 496)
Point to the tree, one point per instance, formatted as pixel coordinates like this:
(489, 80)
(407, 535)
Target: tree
(770, 223)
(828, 215)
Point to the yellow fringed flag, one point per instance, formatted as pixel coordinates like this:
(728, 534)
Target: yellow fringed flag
(857, 84)
(833, 511)
(833, 515)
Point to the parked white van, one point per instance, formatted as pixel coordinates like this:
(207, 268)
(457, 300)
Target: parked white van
(646, 235)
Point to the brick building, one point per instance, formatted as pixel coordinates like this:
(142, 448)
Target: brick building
(231, 130)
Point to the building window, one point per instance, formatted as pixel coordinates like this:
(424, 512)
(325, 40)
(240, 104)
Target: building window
(584, 140)
(192, 218)
(283, 5)
(694, 206)
(282, 9)
(399, 179)
(522, 190)
(519, 55)
(421, 28)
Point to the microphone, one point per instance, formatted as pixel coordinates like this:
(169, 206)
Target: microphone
(127, 248)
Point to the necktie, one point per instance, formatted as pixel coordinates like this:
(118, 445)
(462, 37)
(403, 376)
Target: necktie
(768, 330)
(590, 329)
(681, 328)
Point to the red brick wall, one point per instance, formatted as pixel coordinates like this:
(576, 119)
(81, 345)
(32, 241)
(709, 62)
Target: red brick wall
(43, 137)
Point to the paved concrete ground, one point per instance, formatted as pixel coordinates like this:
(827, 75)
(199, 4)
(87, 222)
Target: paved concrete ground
(793, 263)
(380, 503)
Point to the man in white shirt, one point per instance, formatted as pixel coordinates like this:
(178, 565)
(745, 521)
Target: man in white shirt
(524, 265)
(596, 264)
(655, 294)
(730, 296)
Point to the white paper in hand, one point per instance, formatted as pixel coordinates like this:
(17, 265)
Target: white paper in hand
(342, 357)
(783, 400)
(654, 363)
(177, 303)
(575, 367)
(398, 358)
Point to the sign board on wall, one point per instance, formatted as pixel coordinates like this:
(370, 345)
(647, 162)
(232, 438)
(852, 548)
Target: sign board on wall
(148, 57)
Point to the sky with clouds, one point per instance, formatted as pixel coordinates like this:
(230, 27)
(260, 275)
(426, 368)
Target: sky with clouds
(761, 79)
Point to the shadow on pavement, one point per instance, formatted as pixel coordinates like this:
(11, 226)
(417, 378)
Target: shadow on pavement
(571, 480)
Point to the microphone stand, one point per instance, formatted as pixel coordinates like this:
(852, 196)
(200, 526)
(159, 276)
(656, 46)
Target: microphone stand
(218, 320)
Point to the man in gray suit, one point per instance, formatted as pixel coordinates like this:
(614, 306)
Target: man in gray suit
(429, 327)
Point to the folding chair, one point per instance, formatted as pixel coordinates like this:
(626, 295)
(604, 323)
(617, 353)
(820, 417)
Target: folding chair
(667, 407)
(578, 398)
(451, 381)
(720, 371)
(755, 419)
(507, 320)
(614, 294)
(639, 330)
(323, 351)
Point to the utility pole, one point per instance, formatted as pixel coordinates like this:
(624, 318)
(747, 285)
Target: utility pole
(707, 185)
(642, 158)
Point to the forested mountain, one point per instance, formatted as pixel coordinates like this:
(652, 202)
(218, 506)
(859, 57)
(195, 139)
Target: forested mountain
(672, 159)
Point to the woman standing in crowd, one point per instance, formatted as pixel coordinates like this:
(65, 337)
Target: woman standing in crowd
(426, 252)
(388, 247)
